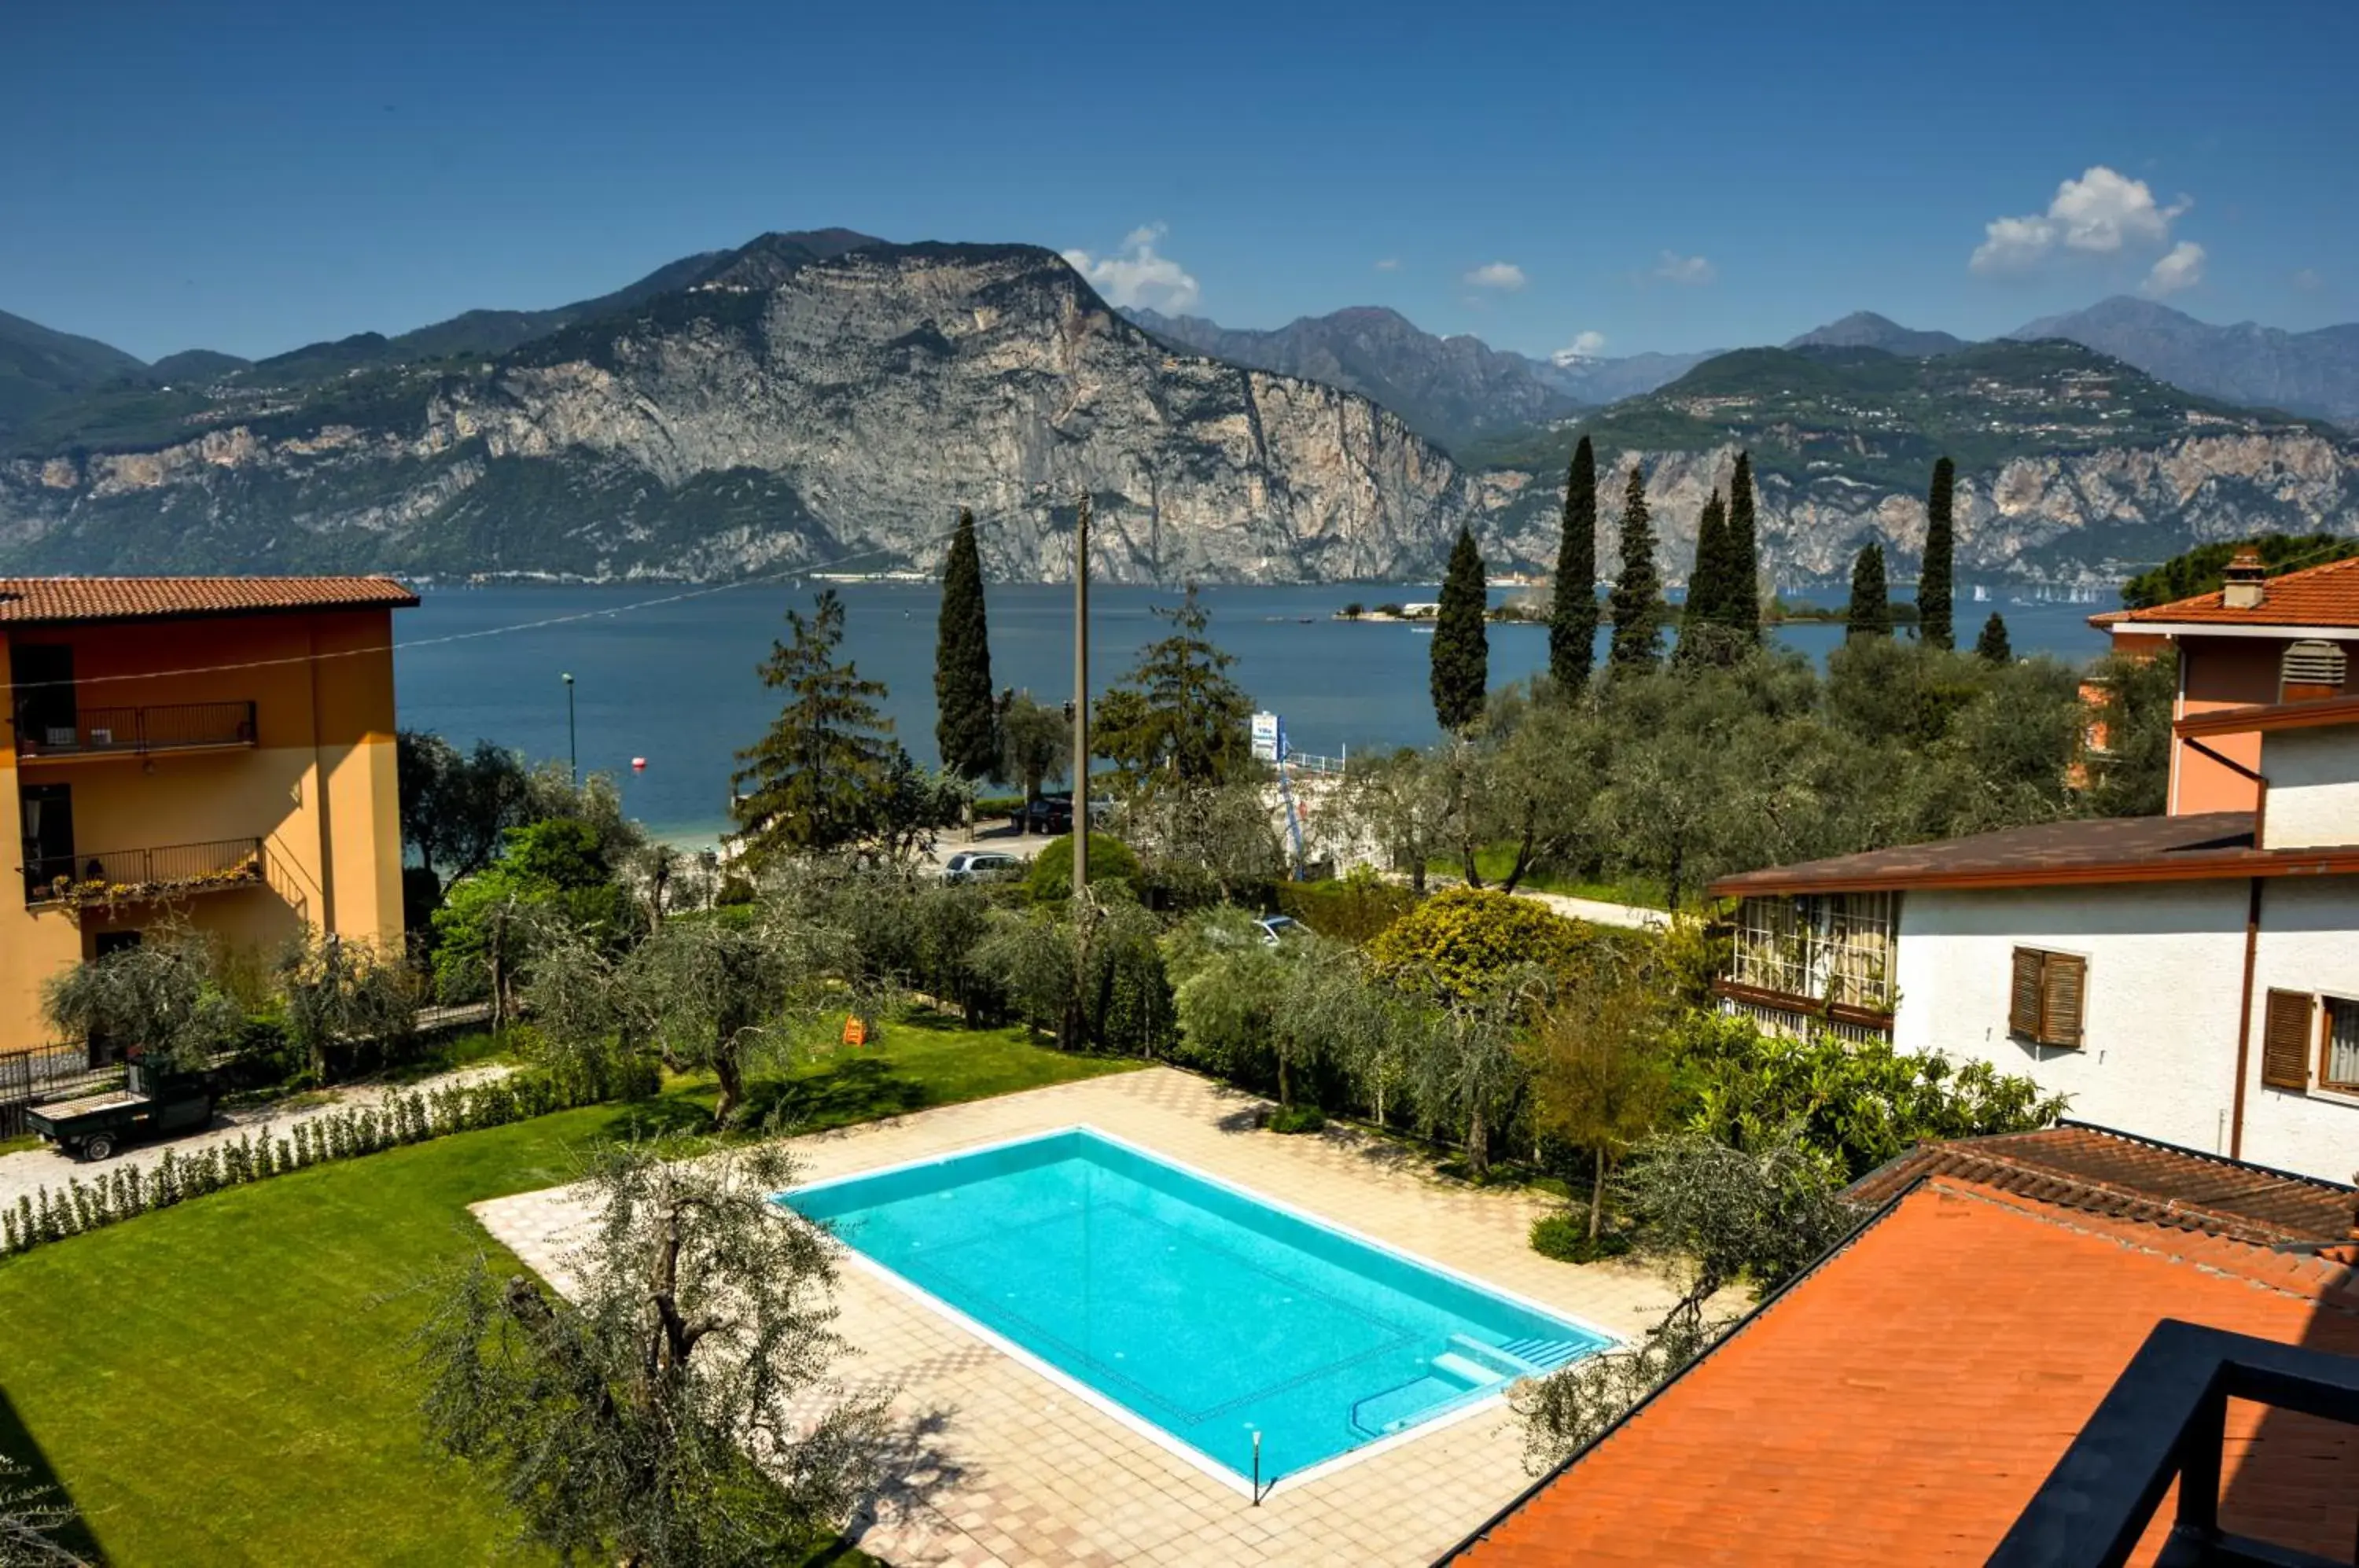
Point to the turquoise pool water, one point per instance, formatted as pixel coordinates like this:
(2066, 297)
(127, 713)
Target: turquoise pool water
(1191, 1305)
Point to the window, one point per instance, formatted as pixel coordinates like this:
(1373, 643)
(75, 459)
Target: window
(2284, 1040)
(1833, 948)
(2049, 997)
(2338, 1055)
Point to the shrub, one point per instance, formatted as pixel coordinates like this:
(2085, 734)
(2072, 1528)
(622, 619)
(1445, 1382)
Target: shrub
(1354, 908)
(1566, 1239)
(735, 892)
(1297, 1118)
(1051, 878)
(1464, 940)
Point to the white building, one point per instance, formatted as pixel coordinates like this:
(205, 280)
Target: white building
(2192, 979)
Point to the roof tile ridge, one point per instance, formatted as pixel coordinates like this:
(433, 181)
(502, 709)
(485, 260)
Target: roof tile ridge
(2170, 1208)
(2333, 1286)
(2215, 597)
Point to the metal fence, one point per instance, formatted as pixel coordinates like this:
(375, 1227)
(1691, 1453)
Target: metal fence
(174, 726)
(166, 871)
(47, 1072)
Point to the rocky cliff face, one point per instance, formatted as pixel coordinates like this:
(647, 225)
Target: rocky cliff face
(787, 411)
(794, 404)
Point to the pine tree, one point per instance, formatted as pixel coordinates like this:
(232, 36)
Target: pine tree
(1703, 623)
(1742, 593)
(1573, 621)
(1992, 646)
(1636, 602)
(1462, 647)
(966, 725)
(1933, 584)
(1178, 717)
(813, 781)
(1870, 612)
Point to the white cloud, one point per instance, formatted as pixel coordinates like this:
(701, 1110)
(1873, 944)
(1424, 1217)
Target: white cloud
(1585, 346)
(1138, 275)
(1389, 264)
(1502, 274)
(2181, 268)
(2101, 213)
(2308, 280)
(1673, 267)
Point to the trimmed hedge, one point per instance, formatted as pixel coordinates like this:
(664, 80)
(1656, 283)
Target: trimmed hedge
(417, 1116)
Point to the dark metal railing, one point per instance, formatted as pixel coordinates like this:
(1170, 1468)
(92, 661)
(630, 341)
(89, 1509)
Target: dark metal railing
(130, 876)
(102, 732)
(2164, 1421)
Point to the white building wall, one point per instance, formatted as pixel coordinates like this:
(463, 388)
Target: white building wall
(2313, 799)
(2166, 969)
(2309, 941)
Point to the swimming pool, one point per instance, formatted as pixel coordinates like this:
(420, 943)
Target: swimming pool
(1195, 1307)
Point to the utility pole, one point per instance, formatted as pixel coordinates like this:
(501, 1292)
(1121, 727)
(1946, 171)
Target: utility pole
(572, 747)
(1082, 698)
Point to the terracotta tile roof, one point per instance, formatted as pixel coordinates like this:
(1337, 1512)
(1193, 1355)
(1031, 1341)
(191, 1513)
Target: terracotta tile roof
(51, 600)
(2109, 849)
(2098, 1170)
(2318, 712)
(1903, 1403)
(2324, 596)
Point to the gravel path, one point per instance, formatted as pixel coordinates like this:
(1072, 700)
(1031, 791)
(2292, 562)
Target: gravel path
(22, 1174)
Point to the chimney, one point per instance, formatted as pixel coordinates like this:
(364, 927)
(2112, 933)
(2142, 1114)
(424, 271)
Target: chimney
(2245, 582)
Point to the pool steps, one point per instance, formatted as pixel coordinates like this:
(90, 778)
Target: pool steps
(1469, 1367)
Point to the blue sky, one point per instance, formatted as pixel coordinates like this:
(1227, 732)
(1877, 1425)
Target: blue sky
(251, 176)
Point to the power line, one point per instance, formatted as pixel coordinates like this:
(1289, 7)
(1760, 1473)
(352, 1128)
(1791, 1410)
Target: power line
(706, 591)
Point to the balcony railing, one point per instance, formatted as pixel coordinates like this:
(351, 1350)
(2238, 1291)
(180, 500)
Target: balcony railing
(110, 731)
(142, 876)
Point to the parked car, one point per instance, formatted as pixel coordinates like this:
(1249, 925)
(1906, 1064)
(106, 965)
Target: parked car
(1275, 929)
(150, 1103)
(984, 865)
(1047, 814)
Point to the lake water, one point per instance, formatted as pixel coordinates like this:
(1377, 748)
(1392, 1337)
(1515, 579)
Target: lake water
(670, 678)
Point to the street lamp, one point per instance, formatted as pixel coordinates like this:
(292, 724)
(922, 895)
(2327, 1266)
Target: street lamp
(573, 750)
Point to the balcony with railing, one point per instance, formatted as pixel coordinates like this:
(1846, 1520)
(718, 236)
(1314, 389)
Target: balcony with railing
(133, 732)
(107, 878)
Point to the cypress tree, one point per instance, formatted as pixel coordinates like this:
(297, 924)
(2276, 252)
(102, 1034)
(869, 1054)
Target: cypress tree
(1704, 624)
(966, 727)
(1992, 646)
(1636, 602)
(1741, 590)
(1461, 649)
(1933, 584)
(1870, 612)
(1572, 620)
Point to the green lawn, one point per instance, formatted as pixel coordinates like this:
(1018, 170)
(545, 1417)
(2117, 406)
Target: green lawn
(228, 1381)
(1495, 861)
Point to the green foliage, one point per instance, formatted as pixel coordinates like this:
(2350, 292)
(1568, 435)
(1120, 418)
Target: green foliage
(1035, 745)
(456, 806)
(1462, 940)
(1854, 1105)
(551, 874)
(1934, 578)
(1353, 908)
(966, 730)
(1572, 618)
(2131, 777)
(1296, 1118)
(1711, 623)
(165, 996)
(336, 993)
(1461, 653)
(1571, 1408)
(1180, 720)
(1869, 613)
(2200, 570)
(813, 781)
(1601, 1079)
(1993, 646)
(1636, 602)
(1741, 590)
(1720, 1212)
(1050, 880)
(1566, 1240)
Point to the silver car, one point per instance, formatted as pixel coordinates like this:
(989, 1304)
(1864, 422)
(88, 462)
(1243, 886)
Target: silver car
(984, 865)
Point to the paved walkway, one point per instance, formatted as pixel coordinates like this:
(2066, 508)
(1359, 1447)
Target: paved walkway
(1007, 1469)
(24, 1172)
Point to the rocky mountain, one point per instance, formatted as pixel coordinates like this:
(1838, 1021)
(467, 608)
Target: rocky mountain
(2072, 467)
(2314, 373)
(42, 369)
(1866, 329)
(781, 404)
(1450, 390)
(1599, 379)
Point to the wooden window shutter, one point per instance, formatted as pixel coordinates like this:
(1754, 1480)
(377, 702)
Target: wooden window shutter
(2023, 998)
(2285, 1041)
(2063, 994)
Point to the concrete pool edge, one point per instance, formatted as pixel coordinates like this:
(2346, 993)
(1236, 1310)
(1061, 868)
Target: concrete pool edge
(1446, 1416)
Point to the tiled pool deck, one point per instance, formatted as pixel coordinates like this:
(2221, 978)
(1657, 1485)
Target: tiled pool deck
(1016, 1471)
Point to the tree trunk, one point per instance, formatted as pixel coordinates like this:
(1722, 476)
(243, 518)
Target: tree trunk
(1523, 855)
(732, 1073)
(1478, 1146)
(1285, 1085)
(1597, 1197)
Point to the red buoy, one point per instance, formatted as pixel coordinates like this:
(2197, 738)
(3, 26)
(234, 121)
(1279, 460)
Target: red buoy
(639, 765)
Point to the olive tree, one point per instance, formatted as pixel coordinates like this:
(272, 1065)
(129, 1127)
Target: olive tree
(163, 997)
(659, 1416)
(1601, 1076)
(1467, 1069)
(337, 991)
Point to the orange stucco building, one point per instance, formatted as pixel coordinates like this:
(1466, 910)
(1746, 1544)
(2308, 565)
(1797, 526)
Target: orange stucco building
(213, 750)
(2258, 639)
